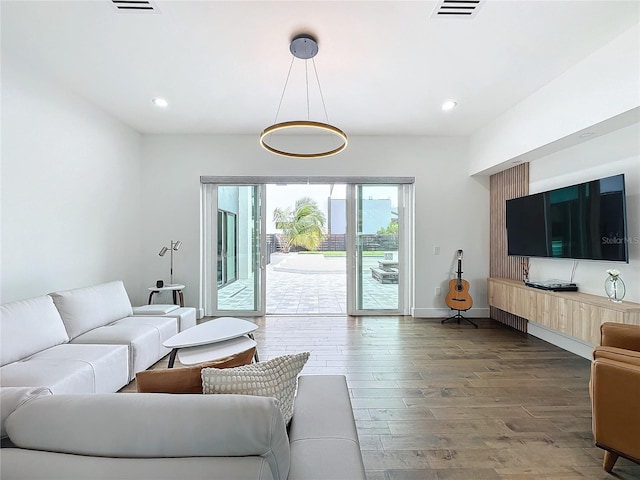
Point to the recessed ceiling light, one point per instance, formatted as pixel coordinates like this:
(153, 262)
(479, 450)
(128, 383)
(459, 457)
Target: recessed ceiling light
(587, 134)
(160, 102)
(449, 105)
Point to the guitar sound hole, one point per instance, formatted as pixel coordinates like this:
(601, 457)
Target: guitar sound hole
(459, 288)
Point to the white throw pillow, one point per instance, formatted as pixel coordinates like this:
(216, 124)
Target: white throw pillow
(277, 378)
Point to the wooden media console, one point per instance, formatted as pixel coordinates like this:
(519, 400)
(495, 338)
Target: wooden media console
(572, 313)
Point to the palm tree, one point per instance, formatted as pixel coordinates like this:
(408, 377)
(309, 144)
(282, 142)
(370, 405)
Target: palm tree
(303, 226)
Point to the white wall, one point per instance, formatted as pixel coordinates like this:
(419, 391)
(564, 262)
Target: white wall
(70, 191)
(604, 85)
(611, 154)
(452, 209)
(601, 94)
(85, 199)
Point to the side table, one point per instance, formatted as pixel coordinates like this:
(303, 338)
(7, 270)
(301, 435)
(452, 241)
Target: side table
(175, 289)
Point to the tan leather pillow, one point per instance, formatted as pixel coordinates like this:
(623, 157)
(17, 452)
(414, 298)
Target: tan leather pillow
(186, 379)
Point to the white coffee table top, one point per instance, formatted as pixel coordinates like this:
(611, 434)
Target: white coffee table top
(213, 351)
(213, 331)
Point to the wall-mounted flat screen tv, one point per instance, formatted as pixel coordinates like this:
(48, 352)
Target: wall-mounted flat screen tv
(583, 221)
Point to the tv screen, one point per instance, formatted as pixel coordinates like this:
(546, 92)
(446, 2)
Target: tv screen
(584, 221)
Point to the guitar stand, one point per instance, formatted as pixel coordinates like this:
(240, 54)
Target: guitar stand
(458, 316)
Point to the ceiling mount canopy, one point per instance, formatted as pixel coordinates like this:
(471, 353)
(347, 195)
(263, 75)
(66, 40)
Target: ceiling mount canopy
(304, 47)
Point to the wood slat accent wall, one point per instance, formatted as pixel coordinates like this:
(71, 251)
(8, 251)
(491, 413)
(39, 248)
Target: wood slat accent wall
(505, 185)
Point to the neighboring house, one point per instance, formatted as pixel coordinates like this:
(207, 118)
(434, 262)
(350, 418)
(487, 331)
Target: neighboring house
(379, 214)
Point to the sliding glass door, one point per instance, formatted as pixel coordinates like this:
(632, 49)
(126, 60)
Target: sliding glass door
(376, 233)
(227, 248)
(378, 265)
(232, 254)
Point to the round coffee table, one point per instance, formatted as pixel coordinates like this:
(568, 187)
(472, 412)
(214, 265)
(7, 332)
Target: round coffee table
(211, 340)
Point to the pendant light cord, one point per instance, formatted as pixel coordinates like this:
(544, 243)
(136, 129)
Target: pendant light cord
(285, 89)
(306, 81)
(326, 115)
(306, 74)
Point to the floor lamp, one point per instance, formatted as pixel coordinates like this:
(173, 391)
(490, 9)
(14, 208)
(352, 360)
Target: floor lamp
(175, 246)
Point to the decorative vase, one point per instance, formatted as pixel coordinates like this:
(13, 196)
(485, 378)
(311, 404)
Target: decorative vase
(615, 289)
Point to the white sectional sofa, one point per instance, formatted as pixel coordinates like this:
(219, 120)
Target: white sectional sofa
(64, 354)
(84, 340)
(163, 436)
(35, 352)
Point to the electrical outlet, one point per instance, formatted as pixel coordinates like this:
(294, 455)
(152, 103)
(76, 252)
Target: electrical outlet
(438, 291)
(436, 250)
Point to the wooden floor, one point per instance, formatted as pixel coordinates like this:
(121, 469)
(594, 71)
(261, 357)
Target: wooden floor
(450, 401)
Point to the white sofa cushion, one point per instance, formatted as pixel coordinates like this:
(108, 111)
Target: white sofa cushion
(166, 327)
(323, 422)
(29, 326)
(141, 341)
(277, 378)
(147, 425)
(142, 335)
(83, 309)
(72, 368)
(12, 398)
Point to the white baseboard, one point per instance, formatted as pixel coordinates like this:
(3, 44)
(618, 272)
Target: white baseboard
(479, 312)
(566, 342)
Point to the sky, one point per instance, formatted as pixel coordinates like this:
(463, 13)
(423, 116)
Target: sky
(283, 196)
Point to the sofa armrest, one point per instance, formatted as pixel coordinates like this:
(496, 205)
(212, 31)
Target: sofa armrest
(12, 398)
(153, 425)
(615, 390)
(620, 335)
(323, 435)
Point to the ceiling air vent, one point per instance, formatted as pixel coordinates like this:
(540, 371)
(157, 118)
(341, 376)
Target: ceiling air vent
(135, 6)
(457, 8)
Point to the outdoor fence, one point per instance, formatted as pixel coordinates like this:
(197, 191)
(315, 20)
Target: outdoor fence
(337, 243)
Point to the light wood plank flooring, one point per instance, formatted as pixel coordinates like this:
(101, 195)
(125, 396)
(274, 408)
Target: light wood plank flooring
(436, 402)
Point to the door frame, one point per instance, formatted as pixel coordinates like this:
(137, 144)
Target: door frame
(225, 215)
(405, 250)
(209, 184)
(208, 290)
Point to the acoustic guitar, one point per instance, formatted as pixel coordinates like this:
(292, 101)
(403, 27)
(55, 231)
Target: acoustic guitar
(458, 297)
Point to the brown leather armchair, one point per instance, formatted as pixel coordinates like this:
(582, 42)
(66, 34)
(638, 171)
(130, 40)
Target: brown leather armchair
(615, 393)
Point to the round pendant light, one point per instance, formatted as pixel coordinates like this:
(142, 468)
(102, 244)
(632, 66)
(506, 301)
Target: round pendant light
(303, 47)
